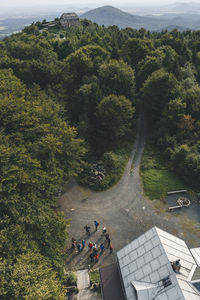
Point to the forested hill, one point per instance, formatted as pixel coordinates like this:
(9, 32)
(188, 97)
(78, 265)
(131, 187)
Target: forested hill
(70, 97)
(109, 15)
(179, 19)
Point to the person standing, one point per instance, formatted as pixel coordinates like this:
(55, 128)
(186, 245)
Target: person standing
(79, 247)
(102, 247)
(87, 229)
(91, 257)
(95, 250)
(96, 224)
(104, 230)
(90, 245)
(83, 244)
(109, 241)
(96, 257)
(107, 236)
(111, 248)
(73, 243)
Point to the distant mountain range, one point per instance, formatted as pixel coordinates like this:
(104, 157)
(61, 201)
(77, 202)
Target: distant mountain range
(182, 16)
(181, 7)
(109, 15)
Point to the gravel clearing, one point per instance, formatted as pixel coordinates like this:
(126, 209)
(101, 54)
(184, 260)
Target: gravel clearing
(123, 209)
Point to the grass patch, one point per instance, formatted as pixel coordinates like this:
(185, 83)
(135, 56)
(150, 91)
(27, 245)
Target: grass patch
(157, 177)
(94, 276)
(191, 230)
(95, 279)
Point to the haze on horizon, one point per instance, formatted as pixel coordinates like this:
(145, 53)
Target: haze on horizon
(89, 3)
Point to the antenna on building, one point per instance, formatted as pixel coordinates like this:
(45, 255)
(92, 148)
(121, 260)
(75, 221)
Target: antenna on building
(162, 284)
(166, 281)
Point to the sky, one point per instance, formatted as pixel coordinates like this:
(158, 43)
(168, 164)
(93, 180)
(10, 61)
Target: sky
(92, 3)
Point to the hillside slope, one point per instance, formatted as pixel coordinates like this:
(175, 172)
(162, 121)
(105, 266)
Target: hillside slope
(109, 15)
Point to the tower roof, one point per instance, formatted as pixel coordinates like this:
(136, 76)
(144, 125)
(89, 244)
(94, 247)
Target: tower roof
(146, 269)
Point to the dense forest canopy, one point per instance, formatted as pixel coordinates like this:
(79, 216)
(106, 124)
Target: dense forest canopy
(67, 96)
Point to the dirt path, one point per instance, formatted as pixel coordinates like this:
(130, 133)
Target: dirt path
(122, 209)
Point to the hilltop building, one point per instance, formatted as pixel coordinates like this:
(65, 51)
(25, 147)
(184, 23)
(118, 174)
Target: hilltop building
(69, 19)
(155, 266)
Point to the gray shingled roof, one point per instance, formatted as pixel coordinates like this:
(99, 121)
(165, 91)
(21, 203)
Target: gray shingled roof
(147, 260)
(69, 16)
(196, 255)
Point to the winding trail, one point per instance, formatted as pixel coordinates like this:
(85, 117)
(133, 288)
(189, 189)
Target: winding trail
(122, 209)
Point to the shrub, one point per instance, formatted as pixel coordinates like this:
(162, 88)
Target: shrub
(72, 290)
(70, 279)
(110, 160)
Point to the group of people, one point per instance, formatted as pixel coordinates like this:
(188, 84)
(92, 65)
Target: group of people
(94, 255)
(79, 246)
(95, 251)
(87, 228)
